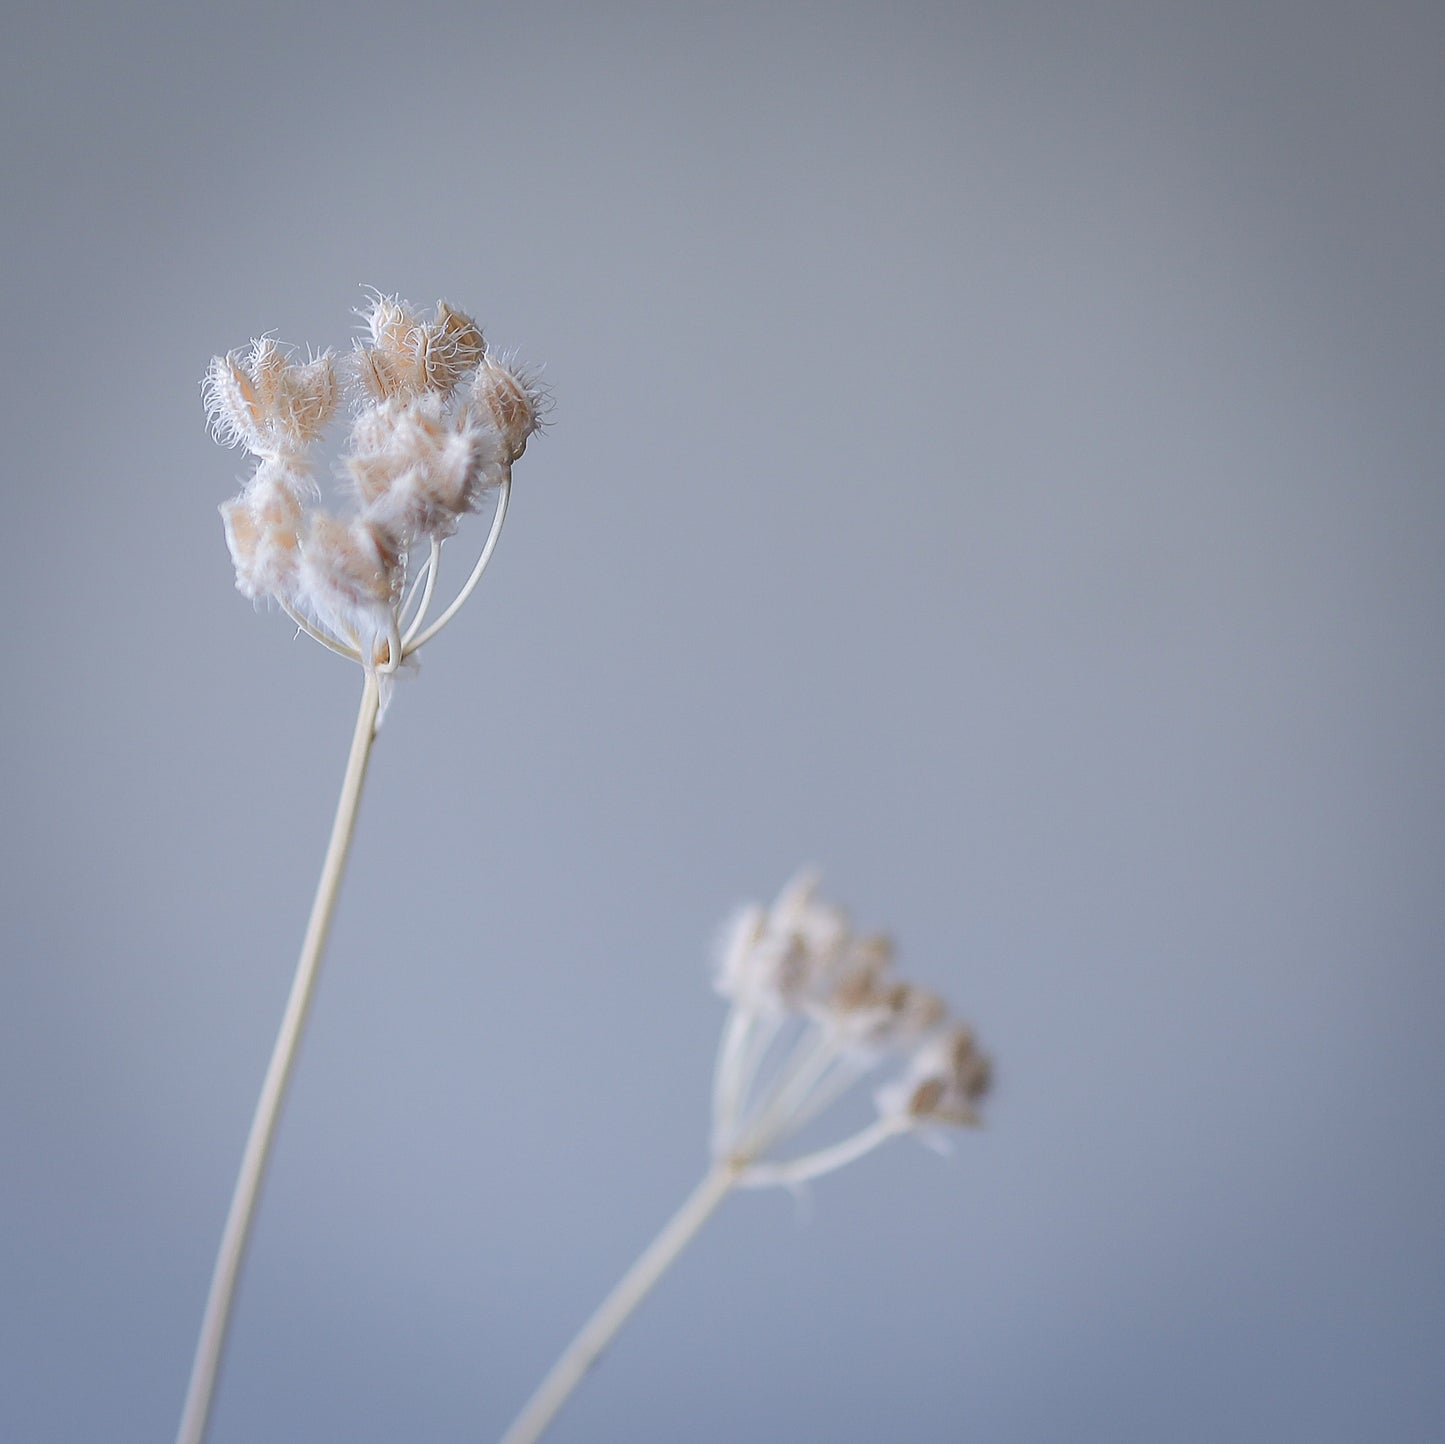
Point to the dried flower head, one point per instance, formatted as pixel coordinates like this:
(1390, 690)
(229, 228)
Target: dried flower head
(267, 401)
(263, 530)
(946, 1079)
(351, 573)
(409, 355)
(426, 448)
(424, 451)
(511, 398)
(815, 1007)
(418, 470)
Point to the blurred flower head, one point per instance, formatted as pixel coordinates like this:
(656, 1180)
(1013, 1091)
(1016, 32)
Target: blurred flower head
(816, 1006)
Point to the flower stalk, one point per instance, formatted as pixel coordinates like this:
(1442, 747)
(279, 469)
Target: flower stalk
(438, 421)
(222, 1296)
(635, 1285)
(815, 1007)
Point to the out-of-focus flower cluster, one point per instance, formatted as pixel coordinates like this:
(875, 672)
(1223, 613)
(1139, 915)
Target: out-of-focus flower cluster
(436, 422)
(815, 1007)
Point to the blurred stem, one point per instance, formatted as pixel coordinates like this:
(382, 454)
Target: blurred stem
(219, 1302)
(794, 1171)
(619, 1305)
(774, 1119)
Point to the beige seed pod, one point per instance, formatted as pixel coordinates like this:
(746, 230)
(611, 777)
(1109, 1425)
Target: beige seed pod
(351, 577)
(451, 349)
(309, 398)
(262, 528)
(511, 400)
(392, 325)
(266, 402)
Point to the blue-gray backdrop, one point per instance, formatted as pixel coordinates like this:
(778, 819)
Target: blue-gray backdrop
(997, 458)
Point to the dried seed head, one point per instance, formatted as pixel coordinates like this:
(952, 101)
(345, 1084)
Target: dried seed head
(310, 396)
(409, 356)
(351, 577)
(233, 405)
(268, 403)
(391, 323)
(822, 929)
(946, 1079)
(376, 377)
(389, 367)
(815, 1008)
(874, 1011)
(802, 956)
(759, 967)
(863, 990)
(452, 348)
(774, 959)
(262, 530)
(418, 470)
(921, 1011)
(513, 400)
(424, 452)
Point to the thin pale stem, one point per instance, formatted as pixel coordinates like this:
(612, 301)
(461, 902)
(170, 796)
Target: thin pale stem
(759, 1044)
(414, 590)
(825, 1160)
(394, 651)
(431, 567)
(316, 634)
(619, 1305)
(841, 1076)
(774, 1120)
(744, 1064)
(727, 1075)
(503, 495)
(221, 1298)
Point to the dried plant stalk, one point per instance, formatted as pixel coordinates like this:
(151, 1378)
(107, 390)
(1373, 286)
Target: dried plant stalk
(815, 1008)
(438, 422)
(222, 1296)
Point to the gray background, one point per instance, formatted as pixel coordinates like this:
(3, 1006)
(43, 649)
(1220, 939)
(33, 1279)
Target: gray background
(997, 457)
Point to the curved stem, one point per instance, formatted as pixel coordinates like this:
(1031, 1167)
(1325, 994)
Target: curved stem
(759, 1045)
(414, 590)
(222, 1295)
(825, 1160)
(503, 494)
(432, 564)
(774, 1120)
(317, 635)
(393, 647)
(617, 1308)
(726, 1076)
(841, 1075)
